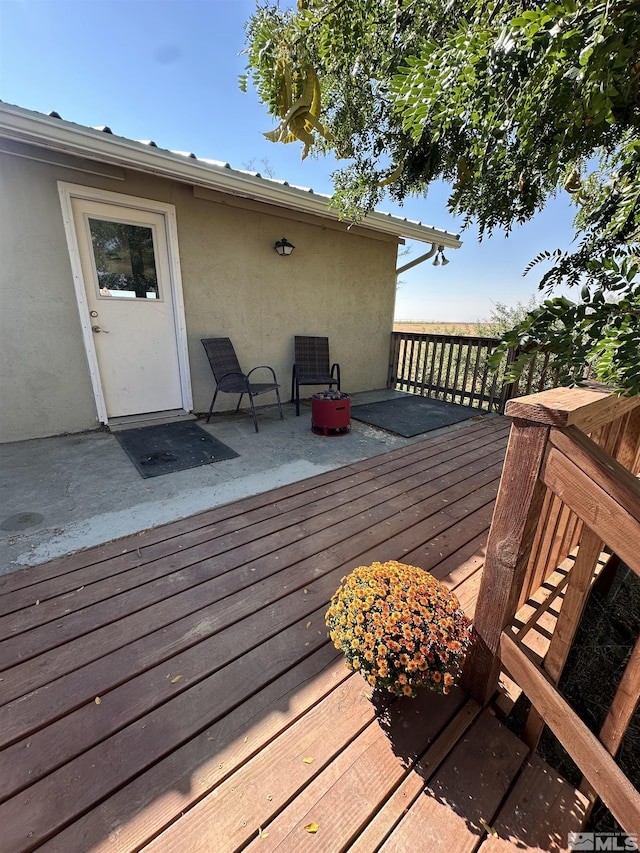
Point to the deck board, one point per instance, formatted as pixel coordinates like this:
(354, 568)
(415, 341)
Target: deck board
(467, 789)
(204, 641)
(397, 805)
(342, 798)
(542, 802)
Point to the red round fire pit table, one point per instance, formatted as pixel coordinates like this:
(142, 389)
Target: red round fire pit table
(330, 413)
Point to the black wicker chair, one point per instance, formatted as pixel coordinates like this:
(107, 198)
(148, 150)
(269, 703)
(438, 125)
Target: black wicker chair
(231, 380)
(311, 366)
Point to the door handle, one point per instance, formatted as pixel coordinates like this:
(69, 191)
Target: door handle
(99, 329)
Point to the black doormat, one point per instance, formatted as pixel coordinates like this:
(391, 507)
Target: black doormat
(412, 415)
(167, 448)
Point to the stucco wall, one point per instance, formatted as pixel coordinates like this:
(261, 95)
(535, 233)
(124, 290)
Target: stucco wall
(336, 283)
(45, 388)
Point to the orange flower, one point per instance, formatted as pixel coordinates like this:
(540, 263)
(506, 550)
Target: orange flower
(401, 626)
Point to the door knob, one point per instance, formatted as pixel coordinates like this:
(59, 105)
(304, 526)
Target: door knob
(99, 329)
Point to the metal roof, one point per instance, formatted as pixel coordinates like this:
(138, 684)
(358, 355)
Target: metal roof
(101, 144)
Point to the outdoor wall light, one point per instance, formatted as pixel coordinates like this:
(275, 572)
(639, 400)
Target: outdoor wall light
(284, 247)
(440, 258)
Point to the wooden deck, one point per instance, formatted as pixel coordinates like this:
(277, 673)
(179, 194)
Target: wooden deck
(176, 690)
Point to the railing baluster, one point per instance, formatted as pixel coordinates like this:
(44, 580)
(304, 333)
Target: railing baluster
(456, 377)
(455, 368)
(465, 376)
(422, 363)
(434, 348)
(482, 397)
(403, 372)
(447, 384)
(441, 359)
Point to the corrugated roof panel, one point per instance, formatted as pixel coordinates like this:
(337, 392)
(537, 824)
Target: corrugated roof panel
(33, 128)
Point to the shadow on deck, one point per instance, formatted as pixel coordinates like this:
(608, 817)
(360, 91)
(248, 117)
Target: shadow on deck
(175, 690)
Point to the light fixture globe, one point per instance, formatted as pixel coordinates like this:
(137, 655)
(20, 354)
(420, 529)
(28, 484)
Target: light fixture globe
(440, 258)
(284, 247)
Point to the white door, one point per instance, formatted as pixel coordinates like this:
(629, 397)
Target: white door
(131, 324)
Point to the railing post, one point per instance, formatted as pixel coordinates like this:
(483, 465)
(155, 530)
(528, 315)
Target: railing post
(394, 358)
(516, 514)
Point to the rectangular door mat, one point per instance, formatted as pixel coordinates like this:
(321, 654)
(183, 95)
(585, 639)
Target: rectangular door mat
(412, 415)
(167, 448)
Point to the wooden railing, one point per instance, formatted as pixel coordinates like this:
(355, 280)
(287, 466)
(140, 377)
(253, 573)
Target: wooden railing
(455, 368)
(569, 487)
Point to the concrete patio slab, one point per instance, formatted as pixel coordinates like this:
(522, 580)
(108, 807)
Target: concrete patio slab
(69, 492)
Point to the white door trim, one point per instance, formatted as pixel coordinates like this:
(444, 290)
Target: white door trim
(68, 192)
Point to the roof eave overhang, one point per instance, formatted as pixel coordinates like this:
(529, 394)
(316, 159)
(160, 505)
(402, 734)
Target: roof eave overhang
(54, 133)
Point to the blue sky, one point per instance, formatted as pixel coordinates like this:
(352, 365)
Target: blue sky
(168, 70)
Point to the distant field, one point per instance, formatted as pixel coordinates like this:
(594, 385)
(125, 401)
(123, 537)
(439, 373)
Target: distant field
(440, 328)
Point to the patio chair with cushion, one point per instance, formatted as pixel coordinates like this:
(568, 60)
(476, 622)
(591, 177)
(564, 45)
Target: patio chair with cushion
(231, 380)
(311, 366)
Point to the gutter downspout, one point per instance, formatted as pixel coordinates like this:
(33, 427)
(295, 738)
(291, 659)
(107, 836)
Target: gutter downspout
(414, 263)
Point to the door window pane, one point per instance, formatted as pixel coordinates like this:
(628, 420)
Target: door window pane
(125, 260)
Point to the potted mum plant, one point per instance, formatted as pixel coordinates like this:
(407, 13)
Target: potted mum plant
(400, 627)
